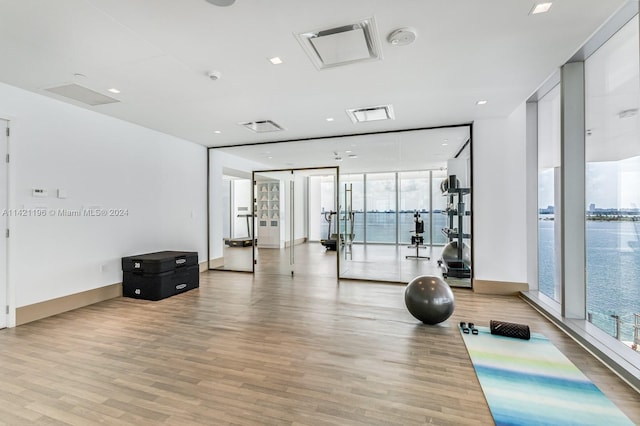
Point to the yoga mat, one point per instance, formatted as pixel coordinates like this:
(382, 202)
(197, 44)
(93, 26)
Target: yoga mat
(530, 382)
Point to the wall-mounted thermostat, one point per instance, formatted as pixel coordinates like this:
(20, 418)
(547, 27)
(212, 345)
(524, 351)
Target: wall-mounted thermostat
(37, 192)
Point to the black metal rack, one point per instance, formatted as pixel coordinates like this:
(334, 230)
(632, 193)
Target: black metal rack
(456, 267)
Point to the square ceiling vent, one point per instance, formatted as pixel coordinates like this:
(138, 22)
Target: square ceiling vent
(375, 113)
(342, 45)
(82, 94)
(262, 126)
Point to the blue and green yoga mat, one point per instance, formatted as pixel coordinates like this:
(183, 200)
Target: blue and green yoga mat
(530, 382)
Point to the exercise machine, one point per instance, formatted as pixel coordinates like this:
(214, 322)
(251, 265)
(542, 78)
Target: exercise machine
(241, 241)
(331, 242)
(417, 240)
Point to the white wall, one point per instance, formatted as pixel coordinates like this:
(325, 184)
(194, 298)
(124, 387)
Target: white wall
(459, 167)
(101, 162)
(242, 196)
(499, 185)
(300, 206)
(314, 208)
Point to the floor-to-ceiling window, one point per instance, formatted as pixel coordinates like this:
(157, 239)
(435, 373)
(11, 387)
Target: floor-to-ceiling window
(599, 260)
(548, 195)
(612, 153)
(439, 206)
(381, 207)
(414, 198)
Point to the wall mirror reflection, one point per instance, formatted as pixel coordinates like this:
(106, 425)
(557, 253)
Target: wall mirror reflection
(382, 207)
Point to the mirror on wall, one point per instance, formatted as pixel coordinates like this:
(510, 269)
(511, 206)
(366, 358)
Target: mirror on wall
(393, 211)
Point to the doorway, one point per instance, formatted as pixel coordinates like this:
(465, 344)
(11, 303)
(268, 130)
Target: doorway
(287, 222)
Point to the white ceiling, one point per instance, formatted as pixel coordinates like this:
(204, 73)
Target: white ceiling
(385, 152)
(158, 54)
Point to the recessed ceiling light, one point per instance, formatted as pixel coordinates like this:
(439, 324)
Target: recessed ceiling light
(79, 75)
(445, 144)
(353, 156)
(275, 60)
(330, 119)
(114, 90)
(338, 158)
(481, 102)
(348, 151)
(217, 132)
(269, 157)
(540, 8)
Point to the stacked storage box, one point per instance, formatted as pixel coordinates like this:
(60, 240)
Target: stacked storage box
(155, 276)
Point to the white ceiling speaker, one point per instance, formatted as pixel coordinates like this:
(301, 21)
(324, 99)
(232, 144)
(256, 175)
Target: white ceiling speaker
(402, 36)
(222, 3)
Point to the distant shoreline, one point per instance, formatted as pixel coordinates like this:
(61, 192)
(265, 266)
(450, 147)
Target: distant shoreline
(604, 218)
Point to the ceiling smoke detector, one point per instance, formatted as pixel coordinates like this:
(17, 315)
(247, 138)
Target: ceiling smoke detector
(262, 126)
(342, 45)
(375, 113)
(214, 75)
(402, 36)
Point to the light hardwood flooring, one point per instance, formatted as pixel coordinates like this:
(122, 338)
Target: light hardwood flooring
(365, 262)
(263, 350)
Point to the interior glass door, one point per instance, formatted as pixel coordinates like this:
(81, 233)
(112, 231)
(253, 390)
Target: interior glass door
(288, 205)
(347, 222)
(273, 217)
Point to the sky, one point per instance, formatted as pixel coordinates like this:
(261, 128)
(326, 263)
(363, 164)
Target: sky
(609, 184)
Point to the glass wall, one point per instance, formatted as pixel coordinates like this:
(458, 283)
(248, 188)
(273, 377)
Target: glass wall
(327, 218)
(356, 181)
(415, 193)
(381, 207)
(414, 197)
(439, 205)
(612, 153)
(548, 195)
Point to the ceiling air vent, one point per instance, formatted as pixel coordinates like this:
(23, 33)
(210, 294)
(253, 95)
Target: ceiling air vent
(375, 113)
(342, 45)
(262, 126)
(82, 94)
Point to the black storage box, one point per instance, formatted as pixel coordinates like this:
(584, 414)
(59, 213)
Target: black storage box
(155, 276)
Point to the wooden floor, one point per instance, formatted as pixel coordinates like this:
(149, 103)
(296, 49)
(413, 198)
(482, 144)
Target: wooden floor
(375, 262)
(262, 350)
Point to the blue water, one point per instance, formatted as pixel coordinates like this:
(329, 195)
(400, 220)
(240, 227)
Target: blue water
(381, 227)
(613, 271)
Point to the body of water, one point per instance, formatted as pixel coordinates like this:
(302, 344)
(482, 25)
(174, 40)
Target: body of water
(381, 227)
(613, 271)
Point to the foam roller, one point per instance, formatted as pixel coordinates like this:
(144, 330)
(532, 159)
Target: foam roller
(509, 329)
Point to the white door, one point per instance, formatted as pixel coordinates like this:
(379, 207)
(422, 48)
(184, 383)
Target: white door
(4, 216)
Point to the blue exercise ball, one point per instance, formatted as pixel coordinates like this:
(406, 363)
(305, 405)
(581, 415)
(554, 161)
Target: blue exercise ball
(429, 299)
